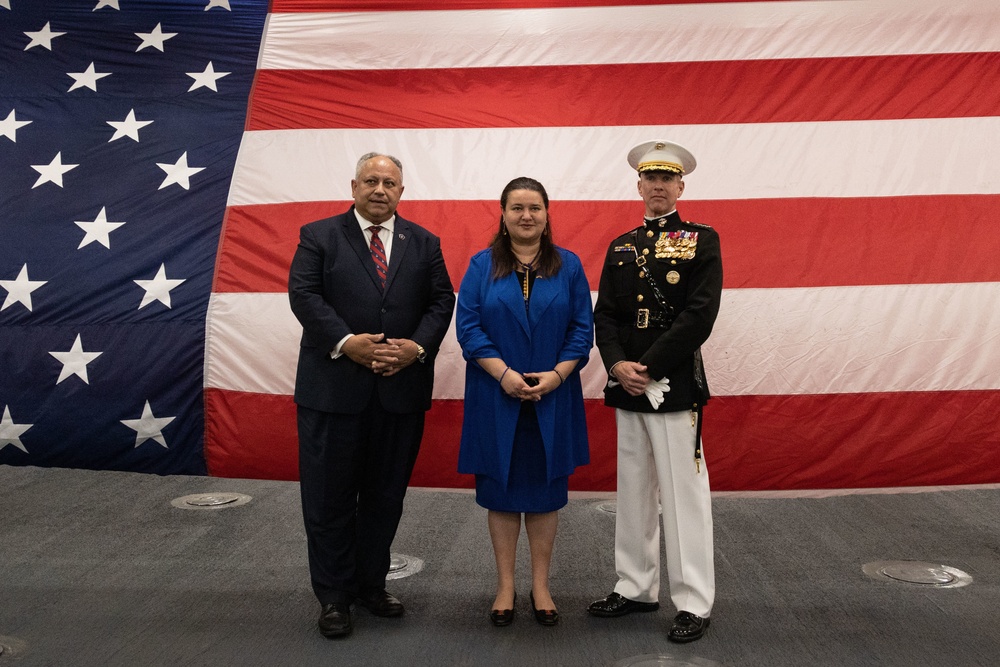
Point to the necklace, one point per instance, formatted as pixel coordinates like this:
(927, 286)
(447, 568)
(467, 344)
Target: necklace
(526, 283)
(531, 263)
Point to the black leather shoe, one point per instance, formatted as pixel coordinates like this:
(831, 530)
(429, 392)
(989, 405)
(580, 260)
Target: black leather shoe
(335, 620)
(687, 628)
(546, 617)
(502, 617)
(381, 603)
(616, 605)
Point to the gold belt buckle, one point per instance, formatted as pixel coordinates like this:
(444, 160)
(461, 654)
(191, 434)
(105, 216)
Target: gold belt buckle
(642, 318)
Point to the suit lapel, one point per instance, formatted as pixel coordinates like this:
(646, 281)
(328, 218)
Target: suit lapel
(400, 242)
(510, 294)
(543, 293)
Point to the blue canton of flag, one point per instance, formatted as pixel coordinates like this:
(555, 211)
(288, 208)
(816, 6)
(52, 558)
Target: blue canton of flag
(120, 122)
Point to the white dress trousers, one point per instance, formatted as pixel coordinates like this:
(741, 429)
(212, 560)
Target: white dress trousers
(656, 463)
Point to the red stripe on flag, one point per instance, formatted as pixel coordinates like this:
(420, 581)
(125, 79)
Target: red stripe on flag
(759, 91)
(298, 6)
(853, 440)
(765, 242)
(807, 442)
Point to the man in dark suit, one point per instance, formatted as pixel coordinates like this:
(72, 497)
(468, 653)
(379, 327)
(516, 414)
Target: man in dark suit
(374, 299)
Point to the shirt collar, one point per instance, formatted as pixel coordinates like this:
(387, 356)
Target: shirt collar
(659, 217)
(365, 223)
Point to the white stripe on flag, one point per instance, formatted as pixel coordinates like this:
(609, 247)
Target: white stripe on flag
(827, 340)
(748, 161)
(655, 33)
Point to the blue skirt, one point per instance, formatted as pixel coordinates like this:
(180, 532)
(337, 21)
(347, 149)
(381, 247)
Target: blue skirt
(527, 490)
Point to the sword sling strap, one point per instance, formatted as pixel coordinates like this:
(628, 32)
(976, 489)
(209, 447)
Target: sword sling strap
(640, 261)
(696, 412)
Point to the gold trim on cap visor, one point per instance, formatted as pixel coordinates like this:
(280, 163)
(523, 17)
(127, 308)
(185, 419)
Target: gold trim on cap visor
(660, 166)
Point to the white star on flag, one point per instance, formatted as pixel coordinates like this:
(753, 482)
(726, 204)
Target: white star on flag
(218, 3)
(156, 38)
(10, 125)
(113, 4)
(19, 290)
(99, 230)
(52, 172)
(158, 289)
(179, 172)
(87, 78)
(206, 78)
(148, 427)
(42, 37)
(75, 361)
(10, 433)
(127, 128)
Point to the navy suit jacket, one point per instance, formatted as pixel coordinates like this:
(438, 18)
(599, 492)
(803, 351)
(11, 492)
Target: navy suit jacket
(334, 291)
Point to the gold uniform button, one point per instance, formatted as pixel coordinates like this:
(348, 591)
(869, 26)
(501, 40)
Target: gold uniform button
(642, 274)
(673, 277)
(649, 234)
(638, 298)
(620, 263)
(645, 251)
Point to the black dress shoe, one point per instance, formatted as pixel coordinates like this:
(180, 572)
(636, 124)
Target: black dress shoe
(547, 617)
(616, 605)
(687, 627)
(502, 617)
(381, 603)
(335, 620)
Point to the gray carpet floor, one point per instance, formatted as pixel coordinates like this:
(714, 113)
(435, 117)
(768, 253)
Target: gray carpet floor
(99, 568)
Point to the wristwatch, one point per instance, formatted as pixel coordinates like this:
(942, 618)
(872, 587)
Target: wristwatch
(421, 353)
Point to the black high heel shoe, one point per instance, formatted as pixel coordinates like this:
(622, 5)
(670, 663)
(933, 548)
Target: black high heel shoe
(502, 617)
(547, 617)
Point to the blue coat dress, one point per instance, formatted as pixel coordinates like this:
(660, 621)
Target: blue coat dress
(490, 321)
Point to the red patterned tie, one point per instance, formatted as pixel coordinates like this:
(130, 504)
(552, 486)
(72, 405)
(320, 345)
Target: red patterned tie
(378, 254)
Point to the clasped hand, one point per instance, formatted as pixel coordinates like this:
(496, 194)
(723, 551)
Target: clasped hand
(384, 356)
(632, 376)
(514, 385)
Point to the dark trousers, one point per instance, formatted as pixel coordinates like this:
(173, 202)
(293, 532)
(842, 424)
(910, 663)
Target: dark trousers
(354, 470)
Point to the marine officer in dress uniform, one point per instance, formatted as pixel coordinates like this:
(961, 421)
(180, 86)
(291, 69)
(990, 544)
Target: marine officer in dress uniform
(657, 302)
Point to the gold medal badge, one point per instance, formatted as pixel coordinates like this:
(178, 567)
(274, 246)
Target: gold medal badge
(673, 277)
(676, 245)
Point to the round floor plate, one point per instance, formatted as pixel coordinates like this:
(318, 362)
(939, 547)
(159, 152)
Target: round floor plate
(401, 565)
(11, 647)
(607, 506)
(210, 501)
(660, 660)
(917, 573)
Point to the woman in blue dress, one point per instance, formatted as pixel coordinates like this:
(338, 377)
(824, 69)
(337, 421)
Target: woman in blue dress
(525, 323)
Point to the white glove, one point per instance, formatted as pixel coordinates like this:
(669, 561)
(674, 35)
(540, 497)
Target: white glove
(654, 390)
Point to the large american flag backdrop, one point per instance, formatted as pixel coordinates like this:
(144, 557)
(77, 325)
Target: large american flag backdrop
(157, 159)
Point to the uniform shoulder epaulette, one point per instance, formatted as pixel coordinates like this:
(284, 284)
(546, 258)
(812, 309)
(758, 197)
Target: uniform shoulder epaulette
(624, 243)
(631, 232)
(696, 224)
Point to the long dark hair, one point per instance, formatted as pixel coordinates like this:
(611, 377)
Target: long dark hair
(504, 260)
